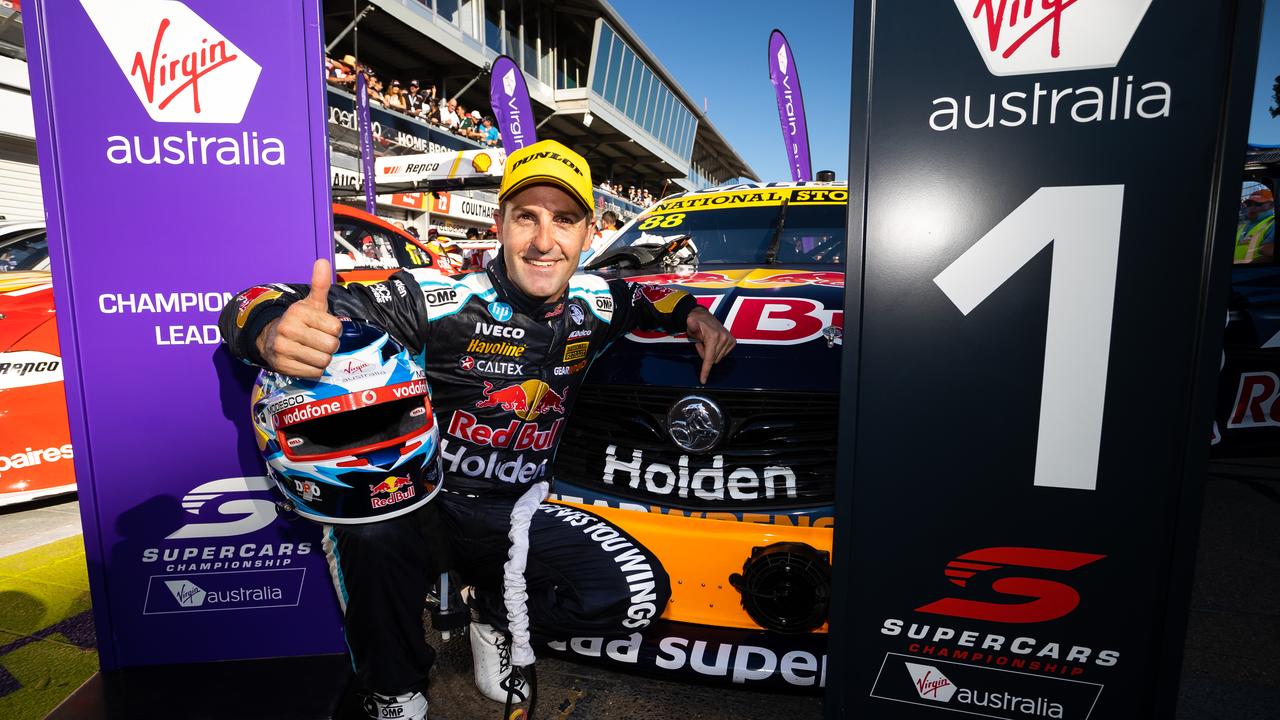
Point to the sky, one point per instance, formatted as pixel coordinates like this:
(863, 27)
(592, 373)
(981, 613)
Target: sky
(718, 50)
(1264, 129)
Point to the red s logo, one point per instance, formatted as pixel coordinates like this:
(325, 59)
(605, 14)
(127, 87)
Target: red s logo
(1044, 600)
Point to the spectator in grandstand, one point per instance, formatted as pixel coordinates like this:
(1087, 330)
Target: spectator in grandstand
(337, 74)
(449, 114)
(492, 137)
(392, 100)
(413, 100)
(466, 124)
(374, 86)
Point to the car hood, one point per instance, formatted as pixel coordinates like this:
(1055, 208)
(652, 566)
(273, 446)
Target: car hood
(26, 303)
(789, 324)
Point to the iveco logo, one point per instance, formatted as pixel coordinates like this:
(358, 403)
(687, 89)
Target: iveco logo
(695, 423)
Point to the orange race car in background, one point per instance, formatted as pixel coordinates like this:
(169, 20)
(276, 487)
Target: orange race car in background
(35, 441)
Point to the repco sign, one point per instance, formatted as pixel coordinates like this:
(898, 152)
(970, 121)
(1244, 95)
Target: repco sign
(180, 67)
(1017, 37)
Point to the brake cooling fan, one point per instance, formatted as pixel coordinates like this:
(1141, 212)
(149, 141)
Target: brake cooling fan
(786, 587)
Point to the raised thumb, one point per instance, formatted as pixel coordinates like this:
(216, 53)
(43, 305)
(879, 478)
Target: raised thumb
(321, 279)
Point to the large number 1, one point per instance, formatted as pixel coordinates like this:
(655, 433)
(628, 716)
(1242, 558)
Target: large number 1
(1083, 224)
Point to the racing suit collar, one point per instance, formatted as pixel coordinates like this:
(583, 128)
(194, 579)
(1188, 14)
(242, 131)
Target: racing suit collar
(522, 303)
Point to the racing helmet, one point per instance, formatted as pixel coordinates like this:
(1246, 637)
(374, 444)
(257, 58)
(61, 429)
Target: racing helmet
(358, 444)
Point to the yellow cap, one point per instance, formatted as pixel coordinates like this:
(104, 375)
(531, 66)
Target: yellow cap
(548, 162)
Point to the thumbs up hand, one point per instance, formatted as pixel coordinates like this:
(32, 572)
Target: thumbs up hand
(301, 342)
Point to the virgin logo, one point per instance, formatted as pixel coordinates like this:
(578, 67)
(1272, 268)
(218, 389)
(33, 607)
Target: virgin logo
(1017, 37)
(1032, 599)
(179, 66)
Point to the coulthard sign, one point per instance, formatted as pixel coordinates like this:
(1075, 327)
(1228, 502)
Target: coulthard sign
(1017, 470)
(197, 107)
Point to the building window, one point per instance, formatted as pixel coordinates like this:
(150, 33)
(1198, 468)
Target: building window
(602, 59)
(615, 71)
(447, 9)
(529, 28)
(624, 81)
(493, 25)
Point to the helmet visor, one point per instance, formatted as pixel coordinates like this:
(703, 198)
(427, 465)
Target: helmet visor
(353, 424)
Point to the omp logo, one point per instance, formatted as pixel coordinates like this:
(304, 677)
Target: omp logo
(509, 82)
(930, 682)
(1017, 37)
(228, 503)
(1040, 600)
(187, 593)
(180, 67)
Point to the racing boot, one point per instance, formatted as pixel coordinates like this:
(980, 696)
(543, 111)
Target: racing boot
(491, 658)
(410, 706)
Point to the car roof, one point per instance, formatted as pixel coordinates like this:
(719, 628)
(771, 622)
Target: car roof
(730, 187)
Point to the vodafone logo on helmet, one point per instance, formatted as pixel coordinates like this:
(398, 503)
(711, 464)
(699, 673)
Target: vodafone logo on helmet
(1017, 37)
(180, 67)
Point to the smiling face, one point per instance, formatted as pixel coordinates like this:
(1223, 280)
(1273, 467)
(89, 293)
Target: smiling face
(543, 232)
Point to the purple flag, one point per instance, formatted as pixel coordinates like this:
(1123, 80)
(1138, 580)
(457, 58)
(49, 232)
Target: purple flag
(509, 98)
(183, 157)
(365, 128)
(786, 82)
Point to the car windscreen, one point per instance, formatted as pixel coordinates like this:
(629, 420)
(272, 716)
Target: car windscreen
(811, 234)
(23, 251)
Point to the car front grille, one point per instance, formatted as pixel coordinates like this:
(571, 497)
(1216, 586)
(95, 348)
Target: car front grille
(778, 450)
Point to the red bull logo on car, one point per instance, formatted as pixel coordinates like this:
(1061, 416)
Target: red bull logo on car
(527, 400)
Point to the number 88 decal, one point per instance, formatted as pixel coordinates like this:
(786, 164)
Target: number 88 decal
(662, 221)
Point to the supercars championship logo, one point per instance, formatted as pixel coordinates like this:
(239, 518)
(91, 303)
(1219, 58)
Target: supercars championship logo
(1007, 673)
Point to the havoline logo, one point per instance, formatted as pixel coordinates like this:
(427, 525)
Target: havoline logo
(1042, 36)
(180, 67)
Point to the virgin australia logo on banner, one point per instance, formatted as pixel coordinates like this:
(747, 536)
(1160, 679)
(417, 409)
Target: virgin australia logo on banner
(1051, 35)
(180, 67)
(183, 71)
(251, 590)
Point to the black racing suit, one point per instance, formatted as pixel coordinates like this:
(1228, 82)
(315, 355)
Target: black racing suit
(504, 371)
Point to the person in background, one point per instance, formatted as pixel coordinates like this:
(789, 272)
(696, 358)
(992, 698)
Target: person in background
(468, 123)
(492, 137)
(393, 100)
(449, 114)
(602, 237)
(413, 100)
(1256, 235)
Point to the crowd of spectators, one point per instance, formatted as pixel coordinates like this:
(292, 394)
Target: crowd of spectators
(416, 101)
(639, 196)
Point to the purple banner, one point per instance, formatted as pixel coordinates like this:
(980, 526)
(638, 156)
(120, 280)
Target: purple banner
(509, 98)
(786, 84)
(183, 156)
(365, 130)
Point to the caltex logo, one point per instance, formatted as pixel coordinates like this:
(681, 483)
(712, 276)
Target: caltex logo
(1017, 37)
(179, 66)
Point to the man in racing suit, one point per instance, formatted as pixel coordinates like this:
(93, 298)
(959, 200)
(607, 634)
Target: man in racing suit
(506, 351)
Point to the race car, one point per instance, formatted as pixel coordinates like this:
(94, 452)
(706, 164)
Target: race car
(730, 484)
(35, 441)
